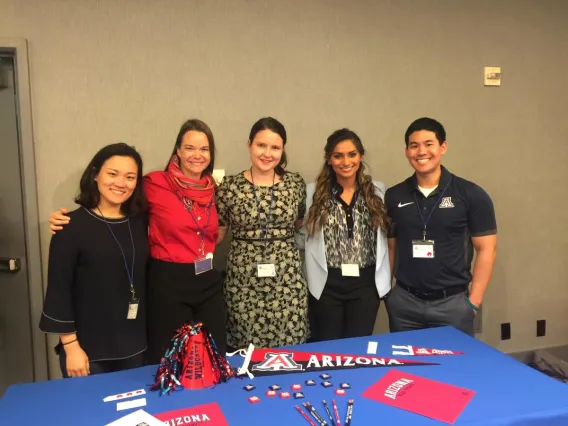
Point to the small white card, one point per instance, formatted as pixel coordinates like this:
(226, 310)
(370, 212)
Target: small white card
(349, 269)
(125, 395)
(265, 270)
(137, 418)
(125, 405)
(423, 249)
(372, 348)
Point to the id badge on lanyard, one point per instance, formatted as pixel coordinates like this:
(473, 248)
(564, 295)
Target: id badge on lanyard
(351, 269)
(133, 308)
(204, 264)
(265, 270)
(424, 249)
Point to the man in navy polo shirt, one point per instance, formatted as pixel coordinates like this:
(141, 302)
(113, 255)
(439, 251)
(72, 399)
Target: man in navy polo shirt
(438, 220)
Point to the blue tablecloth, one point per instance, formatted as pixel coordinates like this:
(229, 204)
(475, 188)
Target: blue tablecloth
(507, 392)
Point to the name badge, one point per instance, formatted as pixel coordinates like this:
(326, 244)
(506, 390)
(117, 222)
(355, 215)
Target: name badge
(132, 310)
(265, 270)
(204, 264)
(423, 249)
(349, 269)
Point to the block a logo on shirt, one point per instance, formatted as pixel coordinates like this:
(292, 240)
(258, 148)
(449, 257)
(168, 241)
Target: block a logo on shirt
(446, 203)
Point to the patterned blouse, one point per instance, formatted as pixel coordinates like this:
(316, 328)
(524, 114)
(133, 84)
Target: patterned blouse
(348, 233)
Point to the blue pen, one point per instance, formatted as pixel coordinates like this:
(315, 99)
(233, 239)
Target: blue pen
(317, 416)
(328, 412)
(349, 414)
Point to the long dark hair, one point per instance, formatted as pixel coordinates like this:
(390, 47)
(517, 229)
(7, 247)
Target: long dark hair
(318, 212)
(89, 195)
(272, 124)
(197, 126)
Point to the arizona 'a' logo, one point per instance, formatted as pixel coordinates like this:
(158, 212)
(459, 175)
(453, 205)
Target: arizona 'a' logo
(276, 361)
(446, 203)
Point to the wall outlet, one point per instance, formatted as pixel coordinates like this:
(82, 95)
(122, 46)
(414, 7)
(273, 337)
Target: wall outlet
(506, 331)
(540, 328)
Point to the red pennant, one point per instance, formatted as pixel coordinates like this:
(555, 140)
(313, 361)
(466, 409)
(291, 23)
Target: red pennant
(266, 362)
(414, 351)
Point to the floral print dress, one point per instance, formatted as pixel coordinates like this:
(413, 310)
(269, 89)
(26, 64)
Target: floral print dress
(264, 311)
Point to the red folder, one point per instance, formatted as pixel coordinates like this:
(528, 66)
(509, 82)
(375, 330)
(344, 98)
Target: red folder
(429, 398)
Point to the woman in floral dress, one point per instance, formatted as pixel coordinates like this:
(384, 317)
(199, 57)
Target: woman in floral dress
(265, 291)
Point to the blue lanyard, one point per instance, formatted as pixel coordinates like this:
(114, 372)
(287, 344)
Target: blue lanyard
(258, 202)
(130, 272)
(425, 222)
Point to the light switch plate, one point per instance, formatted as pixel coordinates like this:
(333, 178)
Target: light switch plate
(492, 76)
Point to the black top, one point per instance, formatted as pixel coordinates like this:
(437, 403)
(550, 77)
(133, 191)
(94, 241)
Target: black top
(88, 288)
(464, 210)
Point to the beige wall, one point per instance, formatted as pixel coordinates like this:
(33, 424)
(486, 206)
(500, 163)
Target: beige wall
(103, 71)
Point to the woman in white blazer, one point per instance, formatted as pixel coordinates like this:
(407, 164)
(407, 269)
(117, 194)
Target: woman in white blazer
(346, 254)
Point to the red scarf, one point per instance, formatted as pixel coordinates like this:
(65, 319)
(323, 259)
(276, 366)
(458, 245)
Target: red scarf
(195, 191)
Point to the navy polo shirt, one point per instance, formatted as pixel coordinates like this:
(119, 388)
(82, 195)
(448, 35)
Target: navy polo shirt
(464, 210)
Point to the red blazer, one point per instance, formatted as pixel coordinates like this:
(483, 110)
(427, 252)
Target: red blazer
(172, 232)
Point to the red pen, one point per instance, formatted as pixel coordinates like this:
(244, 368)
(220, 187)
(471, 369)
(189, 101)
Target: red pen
(305, 416)
(336, 412)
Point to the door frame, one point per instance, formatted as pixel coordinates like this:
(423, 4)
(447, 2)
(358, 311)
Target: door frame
(18, 48)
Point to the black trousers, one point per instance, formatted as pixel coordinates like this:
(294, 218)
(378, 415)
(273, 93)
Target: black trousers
(175, 296)
(347, 307)
(99, 367)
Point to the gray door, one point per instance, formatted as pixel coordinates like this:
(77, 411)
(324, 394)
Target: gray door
(16, 352)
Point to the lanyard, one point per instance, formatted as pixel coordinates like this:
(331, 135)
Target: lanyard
(188, 206)
(130, 272)
(346, 210)
(200, 230)
(258, 202)
(425, 222)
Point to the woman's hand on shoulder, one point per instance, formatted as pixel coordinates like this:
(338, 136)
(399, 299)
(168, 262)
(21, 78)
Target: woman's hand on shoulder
(57, 220)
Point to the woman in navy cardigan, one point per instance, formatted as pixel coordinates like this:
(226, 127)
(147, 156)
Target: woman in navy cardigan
(346, 263)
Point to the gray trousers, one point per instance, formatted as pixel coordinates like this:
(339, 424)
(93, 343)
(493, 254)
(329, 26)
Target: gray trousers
(408, 312)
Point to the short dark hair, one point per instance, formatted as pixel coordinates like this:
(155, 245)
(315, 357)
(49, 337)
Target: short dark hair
(89, 195)
(272, 124)
(429, 124)
(197, 126)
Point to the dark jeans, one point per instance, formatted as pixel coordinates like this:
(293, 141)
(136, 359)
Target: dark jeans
(175, 296)
(347, 307)
(408, 312)
(110, 366)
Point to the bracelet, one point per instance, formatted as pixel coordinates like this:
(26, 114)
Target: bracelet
(471, 305)
(69, 342)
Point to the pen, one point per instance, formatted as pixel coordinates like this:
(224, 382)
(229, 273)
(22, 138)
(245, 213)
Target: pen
(349, 414)
(305, 416)
(314, 414)
(328, 412)
(336, 411)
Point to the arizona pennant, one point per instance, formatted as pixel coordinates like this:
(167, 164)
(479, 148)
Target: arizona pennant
(267, 362)
(414, 351)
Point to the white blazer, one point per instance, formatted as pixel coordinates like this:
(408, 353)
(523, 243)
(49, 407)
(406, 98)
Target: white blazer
(315, 265)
